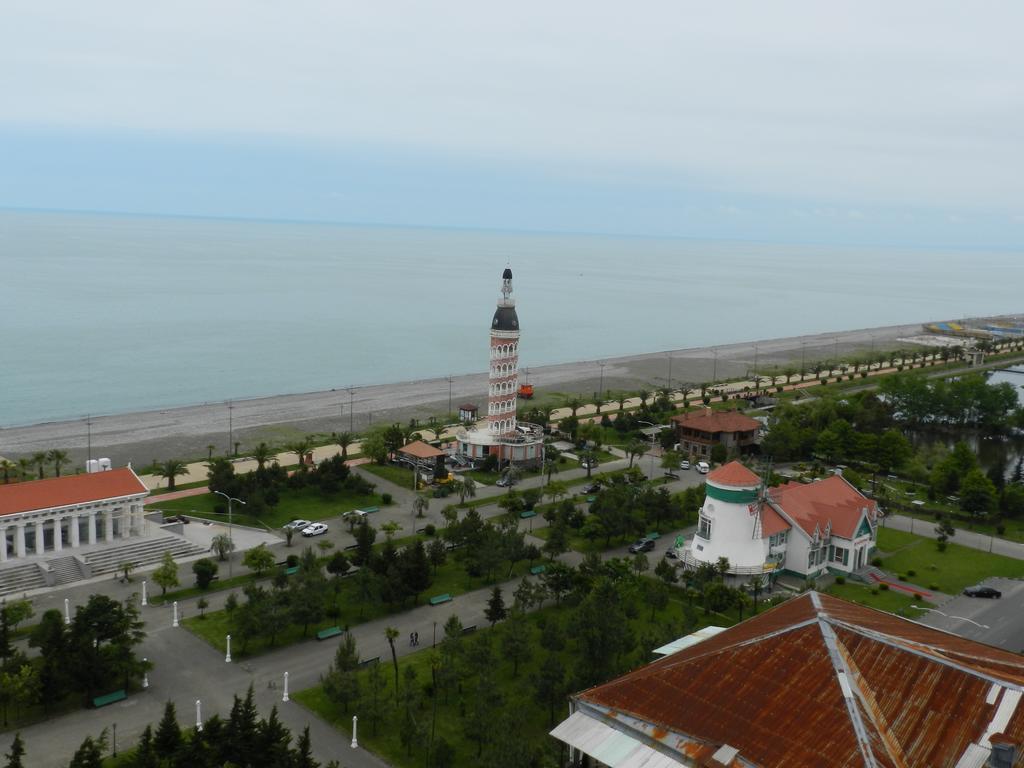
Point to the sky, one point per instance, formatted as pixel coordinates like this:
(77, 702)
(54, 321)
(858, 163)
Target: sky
(804, 121)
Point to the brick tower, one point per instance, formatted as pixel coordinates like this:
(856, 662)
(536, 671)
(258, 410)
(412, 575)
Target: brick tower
(503, 382)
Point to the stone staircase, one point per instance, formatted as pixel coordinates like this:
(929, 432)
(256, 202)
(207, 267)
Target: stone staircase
(869, 574)
(16, 579)
(141, 553)
(65, 570)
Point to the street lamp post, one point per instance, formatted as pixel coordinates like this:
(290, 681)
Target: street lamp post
(600, 389)
(351, 415)
(449, 393)
(231, 426)
(714, 370)
(231, 541)
(669, 371)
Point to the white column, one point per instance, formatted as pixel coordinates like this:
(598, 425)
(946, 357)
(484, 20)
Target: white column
(3, 544)
(73, 529)
(58, 544)
(19, 539)
(39, 537)
(108, 526)
(92, 527)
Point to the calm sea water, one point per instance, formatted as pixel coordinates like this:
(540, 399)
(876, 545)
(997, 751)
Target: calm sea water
(103, 314)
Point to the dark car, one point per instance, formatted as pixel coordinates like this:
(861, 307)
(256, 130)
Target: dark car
(982, 592)
(641, 545)
(593, 487)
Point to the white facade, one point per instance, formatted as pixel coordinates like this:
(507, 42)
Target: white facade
(729, 529)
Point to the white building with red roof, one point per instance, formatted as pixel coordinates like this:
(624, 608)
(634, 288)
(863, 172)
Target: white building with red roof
(41, 517)
(800, 528)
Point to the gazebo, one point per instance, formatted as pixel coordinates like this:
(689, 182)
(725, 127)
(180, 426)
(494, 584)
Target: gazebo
(420, 455)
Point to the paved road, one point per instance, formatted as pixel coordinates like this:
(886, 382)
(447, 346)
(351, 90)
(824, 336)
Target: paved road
(1002, 620)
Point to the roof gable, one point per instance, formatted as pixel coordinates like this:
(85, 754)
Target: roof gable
(820, 681)
(420, 450)
(815, 505)
(71, 489)
(708, 420)
(735, 475)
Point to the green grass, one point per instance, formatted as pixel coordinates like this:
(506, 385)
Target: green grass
(450, 578)
(220, 585)
(950, 571)
(890, 600)
(400, 476)
(304, 504)
(532, 723)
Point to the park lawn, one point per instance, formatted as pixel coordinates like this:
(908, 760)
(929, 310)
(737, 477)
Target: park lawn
(948, 571)
(890, 600)
(304, 504)
(450, 578)
(532, 723)
(217, 585)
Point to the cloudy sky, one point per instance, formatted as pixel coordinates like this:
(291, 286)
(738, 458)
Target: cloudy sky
(834, 121)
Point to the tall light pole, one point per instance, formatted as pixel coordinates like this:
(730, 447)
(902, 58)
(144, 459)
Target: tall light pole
(714, 371)
(231, 541)
(449, 394)
(231, 426)
(351, 413)
(88, 437)
(600, 389)
(669, 371)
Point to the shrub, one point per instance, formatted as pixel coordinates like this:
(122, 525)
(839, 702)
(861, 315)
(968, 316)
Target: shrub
(863, 374)
(385, 499)
(874, 590)
(824, 381)
(918, 597)
(840, 579)
(876, 561)
(901, 576)
(429, 529)
(911, 572)
(292, 561)
(884, 587)
(1000, 529)
(935, 587)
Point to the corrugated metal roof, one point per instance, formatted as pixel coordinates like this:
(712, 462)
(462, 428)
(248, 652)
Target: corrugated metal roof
(686, 641)
(818, 681)
(608, 745)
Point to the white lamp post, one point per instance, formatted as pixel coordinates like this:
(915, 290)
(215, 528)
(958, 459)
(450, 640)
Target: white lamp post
(199, 716)
(145, 596)
(231, 548)
(145, 674)
(174, 622)
(355, 724)
(67, 611)
(228, 657)
(285, 697)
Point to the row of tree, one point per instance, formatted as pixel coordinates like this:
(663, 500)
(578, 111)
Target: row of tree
(33, 467)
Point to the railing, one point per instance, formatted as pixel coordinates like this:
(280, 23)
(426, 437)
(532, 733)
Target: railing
(689, 561)
(523, 434)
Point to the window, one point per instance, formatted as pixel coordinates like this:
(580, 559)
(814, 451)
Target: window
(839, 555)
(704, 528)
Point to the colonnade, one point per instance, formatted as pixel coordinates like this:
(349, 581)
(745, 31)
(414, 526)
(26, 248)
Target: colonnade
(117, 523)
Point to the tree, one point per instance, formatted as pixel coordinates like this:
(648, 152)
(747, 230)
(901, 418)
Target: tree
(7, 467)
(338, 566)
(39, 459)
(436, 554)
(17, 752)
(944, 531)
(167, 739)
(640, 563)
(756, 586)
(636, 448)
(516, 640)
(300, 448)
(205, 570)
(50, 636)
(392, 634)
(415, 569)
(19, 686)
(259, 560)
(202, 605)
(167, 574)
(170, 470)
(222, 546)
(341, 683)
(420, 505)
(495, 610)
(90, 753)
(465, 487)
(977, 494)
(262, 453)
(558, 540)
(58, 458)
(665, 571)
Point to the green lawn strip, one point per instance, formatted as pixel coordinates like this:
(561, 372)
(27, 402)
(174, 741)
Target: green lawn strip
(890, 600)
(948, 571)
(450, 578)
(220, 585)
(400, 476)
(178, 487)
(304, 504)
(532, 723)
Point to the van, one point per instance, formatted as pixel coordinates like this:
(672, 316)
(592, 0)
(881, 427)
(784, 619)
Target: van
(703, 467)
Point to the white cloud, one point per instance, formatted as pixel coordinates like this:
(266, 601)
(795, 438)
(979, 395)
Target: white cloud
(919, 102)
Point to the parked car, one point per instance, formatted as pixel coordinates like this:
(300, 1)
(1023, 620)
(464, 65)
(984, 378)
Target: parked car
(703, 467)
(588, 463)
(684, 464)
(505, 481)
(593, 487)
(316, 529)
(982, 591)
(297, 525)
(671, 554)
(641, 545)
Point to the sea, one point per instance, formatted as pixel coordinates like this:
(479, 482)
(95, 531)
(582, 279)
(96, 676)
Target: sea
(105, 314)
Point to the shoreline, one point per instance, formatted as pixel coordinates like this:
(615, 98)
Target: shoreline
(187, 431)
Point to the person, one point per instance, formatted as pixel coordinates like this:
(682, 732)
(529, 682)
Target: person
(412, 639)
(416, 636)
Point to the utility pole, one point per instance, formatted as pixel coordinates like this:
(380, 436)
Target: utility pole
(449, 394)
(231, 427)
(88, 437)
(351, 412)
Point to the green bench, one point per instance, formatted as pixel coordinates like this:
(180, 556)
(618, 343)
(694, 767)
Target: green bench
(654, 536)
(330, 632)
(438, 599)
(368, 510)
(591, 499)
(527, 514)
(537, 570)
(291, 571)
(110, 698)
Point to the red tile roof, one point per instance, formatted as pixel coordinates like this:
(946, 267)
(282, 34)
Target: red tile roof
(771, 687)
(772, 522)
(420, 450)
(65, 491)
(816, 504)
(708, 420)
(736, 475)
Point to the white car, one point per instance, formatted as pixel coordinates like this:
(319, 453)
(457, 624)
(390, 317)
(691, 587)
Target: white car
(703, 467)
(297, 525)
(684, 464)
(315, 529)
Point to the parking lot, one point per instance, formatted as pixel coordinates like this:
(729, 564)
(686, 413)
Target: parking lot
(1002, 619)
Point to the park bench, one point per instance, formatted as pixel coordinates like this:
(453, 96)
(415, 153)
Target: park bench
(469, 630)
(537, 570)
(654, 536)
(368, 510)
(368, 662)
(438, 599)
(590, 499)
(291, 571)
(110, 698)
(527, 514)
(330, 632)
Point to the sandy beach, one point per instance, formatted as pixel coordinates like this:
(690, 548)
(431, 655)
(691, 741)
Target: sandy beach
(187, 432)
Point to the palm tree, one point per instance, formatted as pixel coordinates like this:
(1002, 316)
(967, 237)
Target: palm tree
(465, 486)
(300, 448)
(171, 469)
(643, 394)
(209, 452)
(59, 459)
(344, 440)
(551, 457)
(392, 634)
(262, 454)
(635, 448)
(6, 467)
(24, 468)
(39, 459)
(420, 505)
(574, 404)
(621, 398)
